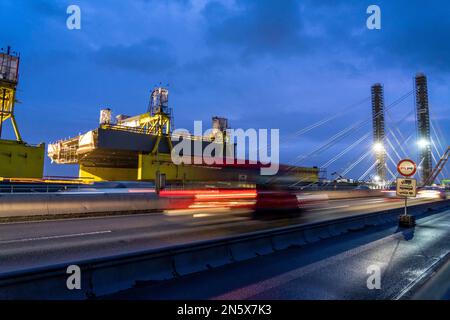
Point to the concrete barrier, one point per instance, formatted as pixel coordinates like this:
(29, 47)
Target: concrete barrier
(202, 259)
(51, 204)
(284, 241)
(316, 234)
(250, 248)
(39, 284)
(110, 278)
(336, 230)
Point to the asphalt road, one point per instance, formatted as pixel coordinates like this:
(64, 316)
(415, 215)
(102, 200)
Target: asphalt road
(337, 268)
(25, 245)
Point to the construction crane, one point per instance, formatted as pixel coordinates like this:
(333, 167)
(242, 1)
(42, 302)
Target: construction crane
(9, 71)
(438, 168)
(17, 158)
(156, 121)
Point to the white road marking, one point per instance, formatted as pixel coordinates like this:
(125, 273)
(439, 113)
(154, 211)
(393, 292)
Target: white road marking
(56, 237)
(329, 208)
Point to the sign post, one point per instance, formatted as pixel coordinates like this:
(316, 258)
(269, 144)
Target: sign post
(406, 187)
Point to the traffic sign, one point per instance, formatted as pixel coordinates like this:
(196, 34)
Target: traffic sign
(406, 187)
(406, 167)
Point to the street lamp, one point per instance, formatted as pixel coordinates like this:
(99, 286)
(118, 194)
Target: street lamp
(378, 147)
(423, 143)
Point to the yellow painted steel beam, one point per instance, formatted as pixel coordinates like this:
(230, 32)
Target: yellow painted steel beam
(18, 160)
(107, 174)
(7, 101)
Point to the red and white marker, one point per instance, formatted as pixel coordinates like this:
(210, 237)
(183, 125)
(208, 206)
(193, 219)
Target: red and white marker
(407, 167)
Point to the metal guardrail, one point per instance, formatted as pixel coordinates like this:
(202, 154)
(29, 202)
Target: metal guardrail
(112, 274)
(40, 188)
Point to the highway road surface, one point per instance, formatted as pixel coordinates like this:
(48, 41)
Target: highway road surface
(25, 245)
(338, 268)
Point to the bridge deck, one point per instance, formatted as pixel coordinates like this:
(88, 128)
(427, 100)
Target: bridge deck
(332, 269)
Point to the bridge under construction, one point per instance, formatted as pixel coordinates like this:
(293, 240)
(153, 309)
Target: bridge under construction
(139, 147)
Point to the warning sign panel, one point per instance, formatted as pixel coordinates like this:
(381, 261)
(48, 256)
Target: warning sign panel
(406, 187)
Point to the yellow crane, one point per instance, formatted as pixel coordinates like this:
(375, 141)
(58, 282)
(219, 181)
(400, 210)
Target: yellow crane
(17, 159)
(9, 71)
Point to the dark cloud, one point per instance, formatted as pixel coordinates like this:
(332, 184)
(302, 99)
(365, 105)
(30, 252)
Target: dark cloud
(414, 34)
(255, 27)
(186, 3)
(151, 55)
(48, 7)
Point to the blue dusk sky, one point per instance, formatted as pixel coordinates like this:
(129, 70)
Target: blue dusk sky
(262, 64)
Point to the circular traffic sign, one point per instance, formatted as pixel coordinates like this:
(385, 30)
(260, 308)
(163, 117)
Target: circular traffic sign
(407, 167)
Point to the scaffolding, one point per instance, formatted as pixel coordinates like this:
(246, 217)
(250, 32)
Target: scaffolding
(378, 130)
(17, 159)
(9, 72)
(423, 127)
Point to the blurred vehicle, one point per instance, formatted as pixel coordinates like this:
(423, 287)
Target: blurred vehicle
(390, 192)
(362, 187)
(431, 193)
(422, 192)
(272, 199)
(276, 200)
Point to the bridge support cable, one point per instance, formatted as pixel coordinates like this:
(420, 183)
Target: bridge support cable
(345, 132)
(393, 149)
(346, 150)
(319, 123)
(393, 175)
(394, 164)
(361, 178)
(358, 161)
(341, 135)
(330, 118)
(395, 124)
(392, 160)
(437, 139)
(437, 132)
(400, 145)
(329, 143)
